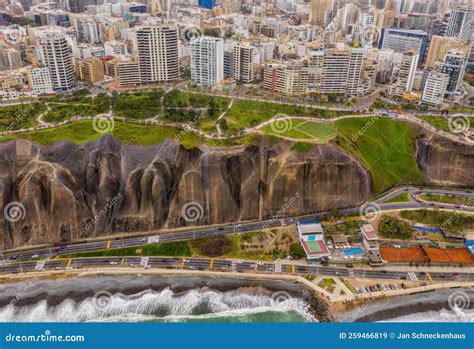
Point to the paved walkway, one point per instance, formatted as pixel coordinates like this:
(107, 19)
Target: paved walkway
(251, 276)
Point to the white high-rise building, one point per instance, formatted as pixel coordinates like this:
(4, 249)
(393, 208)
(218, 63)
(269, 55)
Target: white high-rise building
(435, 88)
(460, 24)
(354, 72)
(335, 66)
(244, 63)
(40, 80)
(157, 48)
(207, 61)
(56, 56)
(406, 73)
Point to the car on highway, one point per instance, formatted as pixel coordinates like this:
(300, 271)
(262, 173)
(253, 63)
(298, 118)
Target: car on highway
(35, 256)
(113, 263)
(12, 258)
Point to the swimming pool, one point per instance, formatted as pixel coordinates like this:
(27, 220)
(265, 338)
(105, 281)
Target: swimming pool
(353, 251)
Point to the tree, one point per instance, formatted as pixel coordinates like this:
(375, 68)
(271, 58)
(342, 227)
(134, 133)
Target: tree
(297, 251)
(394, 228)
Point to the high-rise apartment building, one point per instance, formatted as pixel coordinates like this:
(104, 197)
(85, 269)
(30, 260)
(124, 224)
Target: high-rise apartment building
(435, 87)
(454, 65)
(56, 56)
(354, 71)
(314, 58)
(335, 66)
(207, 61)
(402, 40)
(406, 73)
(91, 70)
(157, 48)
(440, 45)
(460, 24)
(10, 58)
(319, 9)
(244, 62)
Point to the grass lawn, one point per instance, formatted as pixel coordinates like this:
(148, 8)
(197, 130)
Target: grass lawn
(82, 131)
(301, 147)
(402, 197)
(246, 114)
(63, 109)
(301, 129)
(328, 284)
(15, 117)
(178, 249)
(439, 122)
(450, 199)
(385, 147)
(440, 219)
(137, 105)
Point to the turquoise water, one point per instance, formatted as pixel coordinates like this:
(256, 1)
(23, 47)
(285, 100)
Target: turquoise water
(353, 251)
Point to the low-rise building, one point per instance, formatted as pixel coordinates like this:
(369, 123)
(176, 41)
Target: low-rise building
(370, 238)
(39, 80)
(311, 235)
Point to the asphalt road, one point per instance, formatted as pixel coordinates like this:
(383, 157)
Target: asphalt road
(201, 232)
(222, 265)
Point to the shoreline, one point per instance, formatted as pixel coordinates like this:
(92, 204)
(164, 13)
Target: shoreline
(85, 285)
(360, 309)
(386, 309)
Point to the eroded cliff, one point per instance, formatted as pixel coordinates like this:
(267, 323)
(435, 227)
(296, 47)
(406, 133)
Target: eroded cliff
(70, 192)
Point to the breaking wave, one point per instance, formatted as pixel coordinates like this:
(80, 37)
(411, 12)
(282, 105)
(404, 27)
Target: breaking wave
(165, 305)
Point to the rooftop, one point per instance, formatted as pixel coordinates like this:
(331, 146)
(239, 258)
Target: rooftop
(369, 232)
(310, 227)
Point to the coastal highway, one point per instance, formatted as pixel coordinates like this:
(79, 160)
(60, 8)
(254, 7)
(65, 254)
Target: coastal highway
(202, 232)
(102, 264)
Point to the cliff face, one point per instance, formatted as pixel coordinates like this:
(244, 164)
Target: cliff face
(446, 162)
(68, 192)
